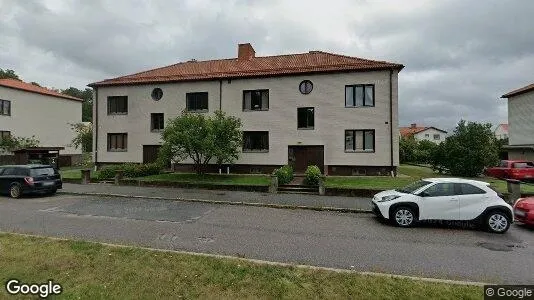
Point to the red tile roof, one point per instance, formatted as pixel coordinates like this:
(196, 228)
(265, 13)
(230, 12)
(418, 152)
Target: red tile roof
(504, 127)
(312, 62)
(409, 131)
(28, 87)
(519, 91)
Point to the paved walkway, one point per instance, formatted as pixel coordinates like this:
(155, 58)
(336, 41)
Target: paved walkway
(215, 196)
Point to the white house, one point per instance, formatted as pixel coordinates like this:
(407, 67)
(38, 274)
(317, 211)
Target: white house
(501, 131)
(28, 110)
(334, 111)
(521, 123)
(419, 133)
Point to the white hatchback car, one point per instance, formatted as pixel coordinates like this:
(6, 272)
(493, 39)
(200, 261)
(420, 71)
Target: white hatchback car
(444, 199)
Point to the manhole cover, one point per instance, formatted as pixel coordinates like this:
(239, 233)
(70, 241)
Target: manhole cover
(500, 247)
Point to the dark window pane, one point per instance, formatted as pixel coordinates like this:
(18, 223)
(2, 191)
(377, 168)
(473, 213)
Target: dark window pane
(468, 189)
(117, 104)
(440, 190)
(197, 101)
(305, 117)
(369, 95)
(256, 100)
(255, 140)
(369, 140)
(349, 140)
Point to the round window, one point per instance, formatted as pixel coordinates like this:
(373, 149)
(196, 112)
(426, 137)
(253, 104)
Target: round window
(157, 94)
(306, 87)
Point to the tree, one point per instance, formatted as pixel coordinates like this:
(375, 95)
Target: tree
(407, 149)
(201, 138)
(12, 143)
(84, 136)
(87, 96)
(424, 151)
(35, 83)
(7, 73)
(228, 137)
(465, 153)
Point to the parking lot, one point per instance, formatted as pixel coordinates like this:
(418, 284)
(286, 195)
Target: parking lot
(341, 240)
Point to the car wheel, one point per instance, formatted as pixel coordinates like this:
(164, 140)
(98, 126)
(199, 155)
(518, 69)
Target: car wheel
(404, 217)
(497, 222)
(15, 191)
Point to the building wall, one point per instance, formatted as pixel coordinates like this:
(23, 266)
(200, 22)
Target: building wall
(521, 154)
(430, 132)
(327, 97)
(46, 117)
(521, 120)
(500, 133)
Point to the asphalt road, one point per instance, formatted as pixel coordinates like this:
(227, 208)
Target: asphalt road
(339, 240)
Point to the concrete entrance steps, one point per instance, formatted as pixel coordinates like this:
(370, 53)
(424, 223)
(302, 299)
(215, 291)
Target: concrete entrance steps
(298, 189)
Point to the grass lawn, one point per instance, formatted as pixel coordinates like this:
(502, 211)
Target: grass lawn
(413, 173)
(94, 271)
(216, 179)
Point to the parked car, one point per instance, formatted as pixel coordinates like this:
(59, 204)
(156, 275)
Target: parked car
(512, 169)
(524, 210)
(444, 199)
(18, 180)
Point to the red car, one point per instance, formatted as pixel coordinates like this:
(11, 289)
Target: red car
(512, 169)
(524, 210)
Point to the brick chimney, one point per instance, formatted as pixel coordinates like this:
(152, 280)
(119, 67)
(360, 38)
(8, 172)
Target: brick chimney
(245, 52)
(413, 125)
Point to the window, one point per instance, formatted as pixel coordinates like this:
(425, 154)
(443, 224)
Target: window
(305, 118)
(520, 165)
(117, 105)
(197, 101)
(469, 189)
(306, 87)
(359, 95)
(4, 134)
(414, 186)
(157, 94)
(156, 122)
(34, 172)
(427, 135)
(437, 137)
(255, 141)
(5, 107)
(256, 100)
(359, 140)
(503, 164)
(117, 142)
(440, 190)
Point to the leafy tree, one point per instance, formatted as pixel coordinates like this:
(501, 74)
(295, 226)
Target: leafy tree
(7, 73)
(465, 153)
(83, 138)
(87, 96)
(12, 143)
(201, 138)
(35, 83)
(424, 151)
(407, 149)
(228, 137)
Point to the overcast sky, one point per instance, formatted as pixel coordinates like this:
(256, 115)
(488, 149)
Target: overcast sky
(460, 55)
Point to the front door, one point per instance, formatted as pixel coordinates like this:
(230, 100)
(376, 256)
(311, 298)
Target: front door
(300, 157)
(150, 153)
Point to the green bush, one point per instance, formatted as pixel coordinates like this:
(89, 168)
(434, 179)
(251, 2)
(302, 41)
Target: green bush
(131, 170)
(312, 175)
(284, 174)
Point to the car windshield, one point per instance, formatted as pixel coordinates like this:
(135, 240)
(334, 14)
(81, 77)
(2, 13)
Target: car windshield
(409, 189)
(41, 172)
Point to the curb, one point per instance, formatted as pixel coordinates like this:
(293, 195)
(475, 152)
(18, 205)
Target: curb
(273, 263)
(257, 204)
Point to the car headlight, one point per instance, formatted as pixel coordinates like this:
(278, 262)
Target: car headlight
(388, 198)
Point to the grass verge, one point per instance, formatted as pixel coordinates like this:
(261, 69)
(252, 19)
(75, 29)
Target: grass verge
(95, 271)
(413, 173)
(214, 179)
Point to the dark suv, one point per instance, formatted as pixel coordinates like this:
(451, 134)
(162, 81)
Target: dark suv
(17, 180)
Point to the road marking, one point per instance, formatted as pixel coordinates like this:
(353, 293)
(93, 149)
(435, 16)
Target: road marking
(272, 263)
